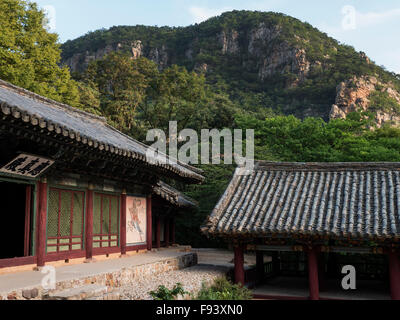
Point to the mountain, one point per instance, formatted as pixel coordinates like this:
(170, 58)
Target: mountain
(263, 60)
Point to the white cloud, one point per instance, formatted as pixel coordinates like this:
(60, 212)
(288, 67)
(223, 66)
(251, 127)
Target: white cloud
(201, 14)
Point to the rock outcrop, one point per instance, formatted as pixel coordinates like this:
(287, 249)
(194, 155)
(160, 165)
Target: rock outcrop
(354, 95)
(229, 42)
(159, 56)
(277, 57)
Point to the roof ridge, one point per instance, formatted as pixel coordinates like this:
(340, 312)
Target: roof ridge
(260, 165)
(49, 101)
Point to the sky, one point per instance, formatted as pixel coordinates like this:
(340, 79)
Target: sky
(369, 25)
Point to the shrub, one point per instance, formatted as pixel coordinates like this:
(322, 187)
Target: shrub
(163, 293)
(222, 289)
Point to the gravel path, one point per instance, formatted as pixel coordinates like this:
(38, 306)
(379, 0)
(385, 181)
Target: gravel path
(191, 279)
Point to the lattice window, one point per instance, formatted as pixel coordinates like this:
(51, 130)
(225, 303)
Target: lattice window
(65, 220)
(105, 221)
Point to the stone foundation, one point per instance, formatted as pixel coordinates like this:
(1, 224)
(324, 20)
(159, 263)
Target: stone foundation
(111, 281)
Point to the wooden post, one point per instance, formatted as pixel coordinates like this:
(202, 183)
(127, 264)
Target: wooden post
(394, 270)
(158, 232)
(41, 223)
(173, 238)
(28, 201)
(260, 266)
(166, 232)
(149, 224)
(123, 223)
(89, 224)
(239, 265)
(313, 274)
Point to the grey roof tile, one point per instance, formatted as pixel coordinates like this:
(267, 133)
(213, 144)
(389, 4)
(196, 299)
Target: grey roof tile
(340, 200)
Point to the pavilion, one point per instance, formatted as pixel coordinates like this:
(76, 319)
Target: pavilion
(317, 212)
(72, 186)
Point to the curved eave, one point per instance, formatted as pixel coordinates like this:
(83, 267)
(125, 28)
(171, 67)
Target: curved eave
(52, 127)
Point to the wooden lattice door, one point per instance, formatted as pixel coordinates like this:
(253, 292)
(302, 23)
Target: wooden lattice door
(105, 221)
(65, 220)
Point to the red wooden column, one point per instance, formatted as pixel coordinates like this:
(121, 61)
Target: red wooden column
(239, 264)
(158, 232)
(313, 274)
(394, 271)
(173, 239)
(89, 224)
(166, 231)
(149, 224)
(123, 223)
(41, 223)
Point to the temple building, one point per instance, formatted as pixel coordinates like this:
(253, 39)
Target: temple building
(312, 219)
(71, 186)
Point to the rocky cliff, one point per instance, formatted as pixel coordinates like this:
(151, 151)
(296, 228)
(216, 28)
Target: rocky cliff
(265, 59)
(268, 56)
(368, 94)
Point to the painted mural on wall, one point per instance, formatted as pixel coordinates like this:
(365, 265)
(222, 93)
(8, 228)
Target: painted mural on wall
(136, 222)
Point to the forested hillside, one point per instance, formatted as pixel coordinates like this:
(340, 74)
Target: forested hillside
(261, 60)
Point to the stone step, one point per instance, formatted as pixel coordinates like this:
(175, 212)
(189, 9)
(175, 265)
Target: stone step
(79, 293)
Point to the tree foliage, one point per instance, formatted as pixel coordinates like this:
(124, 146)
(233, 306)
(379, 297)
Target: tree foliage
(29, 54)
(136, 96)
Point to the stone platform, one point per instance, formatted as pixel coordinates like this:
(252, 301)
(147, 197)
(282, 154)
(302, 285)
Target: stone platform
(98, 279)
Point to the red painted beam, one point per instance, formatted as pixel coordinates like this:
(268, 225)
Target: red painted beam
(313, 274)
(239, 265)
(394, 270)
(123, 223)
(41, 224)
(149, 224)
(89, 225)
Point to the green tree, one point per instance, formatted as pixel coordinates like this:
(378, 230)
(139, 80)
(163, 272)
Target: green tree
(122, 83)
(29, 54)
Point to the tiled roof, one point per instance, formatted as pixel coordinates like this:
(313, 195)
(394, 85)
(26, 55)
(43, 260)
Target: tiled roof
(174, 196)
(338, 200)
(80, 126)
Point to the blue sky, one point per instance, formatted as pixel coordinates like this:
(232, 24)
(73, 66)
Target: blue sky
(368, 25)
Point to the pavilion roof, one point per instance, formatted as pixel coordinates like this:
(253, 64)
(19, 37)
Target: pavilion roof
(337, 200)
(82, 127)
(174, 196)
